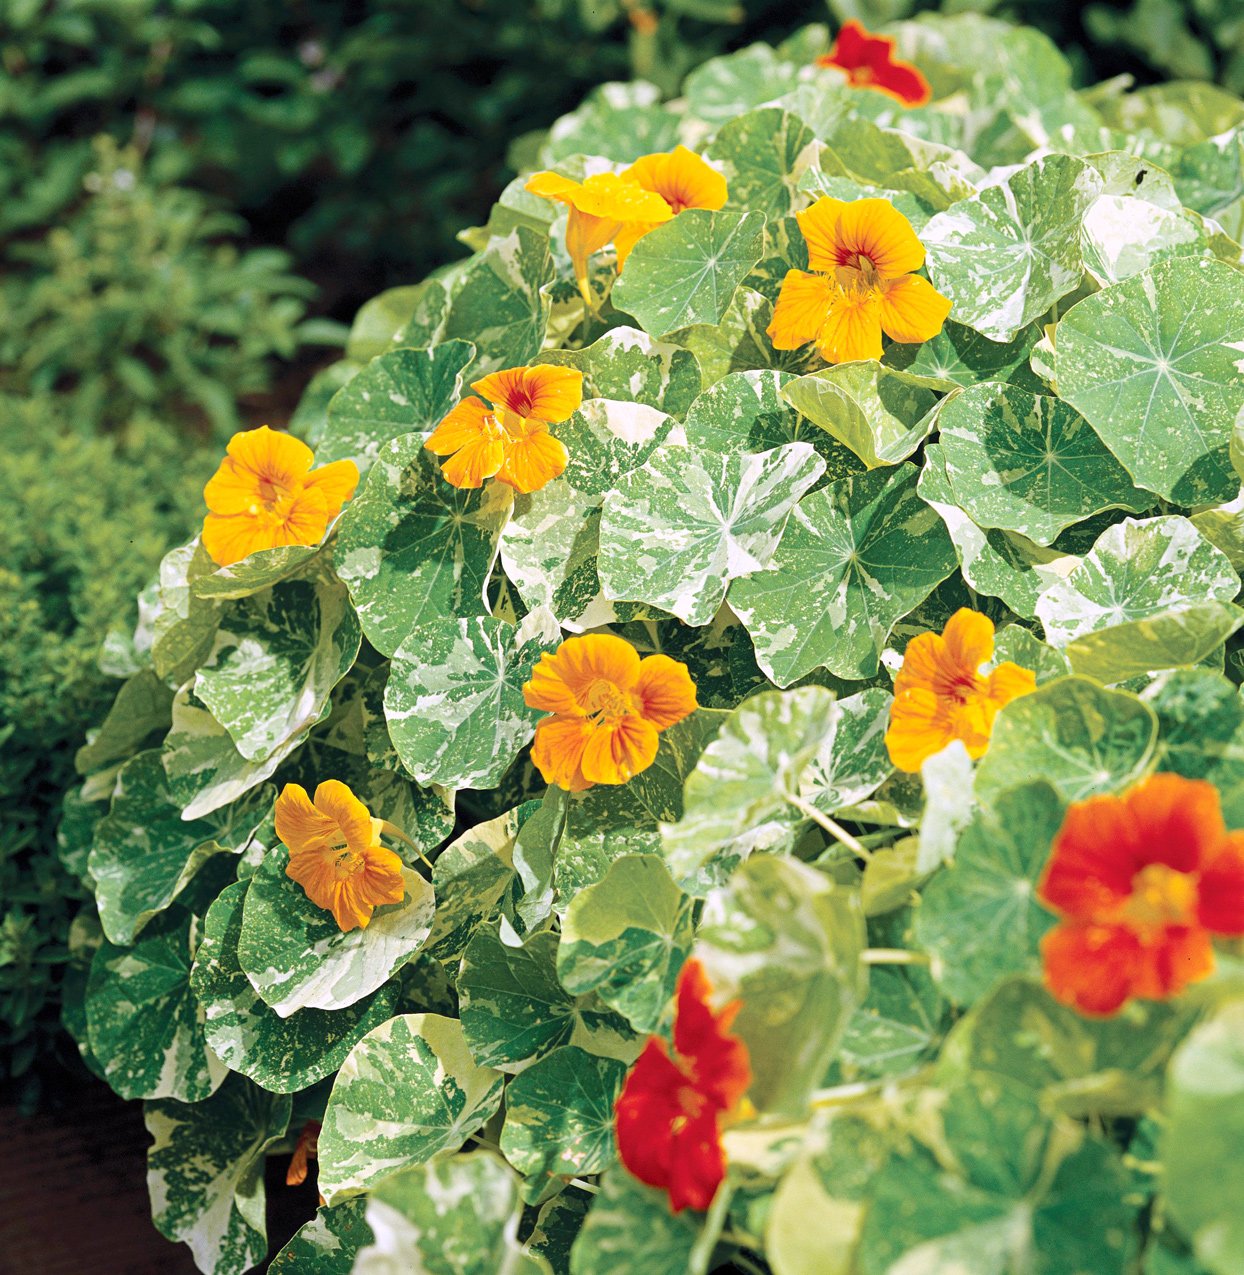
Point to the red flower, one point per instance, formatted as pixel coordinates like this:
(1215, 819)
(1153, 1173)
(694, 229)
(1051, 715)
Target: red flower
(869, 63)
(671, 1109)
(1141, 881)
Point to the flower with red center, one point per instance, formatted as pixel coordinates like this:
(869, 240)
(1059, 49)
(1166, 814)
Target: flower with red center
(674, 1105)
(941, 695)
(1141, 881)
(266, 494)
(608, 707)
(335, 852)
(860, 283)
(869, 62)
(510, 439)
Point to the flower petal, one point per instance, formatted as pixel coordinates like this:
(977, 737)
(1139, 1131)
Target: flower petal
(818, 224)
(1221, 904)
(471, 464)
(300, 824)
(919, 728)
(681, 178)
(351, 816)
(1008, 681)
(465, 424)
(1178, 957)
(1094, 858)
(912, 310)
(304, 519)
(337, 481)
(617, 751)
(550, 394)
(852, 329)
(664, 691)
(875, 229)
(968, 638)
(552, 186)
(232, 489)
(1179, 821)
(1093, 968)
(229, 540)
(580, 662)
(802, 307)
(717, 1060)
(557, 751)
(533, 459)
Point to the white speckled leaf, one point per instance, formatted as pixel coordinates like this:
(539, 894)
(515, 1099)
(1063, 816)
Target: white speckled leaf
(280, 1054)
(880, 414)
(958, 355)
(856, 558)
(143, 1022)
(454, 700)
(328, 1244)
(275, 660)
(402, 392)
(1007, 254)
(1027, 463)
(408, 1091)
(677, 531)
(297, 957)
(630, 1228)
(628, 365)
(626, 937)
(1124, 235)
(722, 87)
(256, 572)
(686, 270)
(180, 623)
(852, 762)
(1153, 364)
(205, 1172)
(470, 878)
(411, 547)
(143, 852)
(762, 156)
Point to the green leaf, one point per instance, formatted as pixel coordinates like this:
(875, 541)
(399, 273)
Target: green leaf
(559, 1118)
(619, 121)
(958, 355)
(182, 624)
(1200, 1147)
(880, 414)
(143, 705)
(762, 155)
(280, 1054)
(856, 558)
(295, 955)
(1010, 1191)
(1210, 179)
(470, 878)
(786, 940)
(456, 1216)
(326, 1245)
(979, 918)
(205, 1172)
(454, 700)
(256, 572)
(628, 365)
(677, 531)
(898, 1026)
(1008, 253)
(143, 1023)
(630, 1228)
(402, 392)
(499, 305)
(1151, 363)
(720, 88)
(144, 853)
(626, 938)
(275, 660)
(1149, 595)
(1078, 737)
(659, 789)
(407, 1092)
(1124, 235)
(686, 271)
(1027, 463)
(412, 315)
(412, 548)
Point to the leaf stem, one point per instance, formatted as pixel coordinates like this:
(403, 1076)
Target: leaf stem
(832, 826)
(714, 1223)
(893, 956)
(392, 830)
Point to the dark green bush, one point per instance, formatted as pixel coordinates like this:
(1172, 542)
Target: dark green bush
(83, 521)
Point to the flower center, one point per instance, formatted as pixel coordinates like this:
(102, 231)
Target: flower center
(1160, 896)
(346, 862)
(857, 272)
(605, 702)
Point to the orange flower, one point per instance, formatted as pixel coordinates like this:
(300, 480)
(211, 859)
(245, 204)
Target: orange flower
(863, 255)
(608, 707)
(602, 207)
(682, 179)
(940, 694)
(265, 494)
(306, 1150)
(509, 441)
(1141, 882)
(869, 63)
(672, 1108)
(335, 852)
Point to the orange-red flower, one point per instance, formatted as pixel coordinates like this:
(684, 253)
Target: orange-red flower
(941, 695)
(608, 707)
(1141, 881)
(510, 440)
(673, 1106)
(266, 494)
(862, 256)
(305, 1150)
(869, 62)
(335, 852)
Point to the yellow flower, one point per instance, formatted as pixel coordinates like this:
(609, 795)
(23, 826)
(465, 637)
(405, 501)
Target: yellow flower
(608, 707)
(509, 441)
(604, 208)
(862, 255)
(941, 695)
(682, 179)
(266, 494)
(335, 852)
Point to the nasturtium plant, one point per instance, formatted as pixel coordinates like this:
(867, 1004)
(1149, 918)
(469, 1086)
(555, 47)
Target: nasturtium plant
(760, 791)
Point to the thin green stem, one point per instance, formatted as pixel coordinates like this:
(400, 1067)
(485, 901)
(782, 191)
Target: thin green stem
(714, 1222)
(392, 830)
(893, 956)
(832, 826)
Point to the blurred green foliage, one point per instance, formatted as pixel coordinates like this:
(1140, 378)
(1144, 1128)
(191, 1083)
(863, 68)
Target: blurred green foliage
(83, 522)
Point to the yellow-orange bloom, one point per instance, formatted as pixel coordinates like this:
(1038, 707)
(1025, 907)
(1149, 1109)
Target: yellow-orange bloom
(862, 256)
(266, 494)
(608, 707)
(940, 694)
(510, 440)
(682, 179)
(602, 208)
(335, 852)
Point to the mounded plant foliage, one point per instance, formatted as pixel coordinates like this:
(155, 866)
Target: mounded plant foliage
(1059, 458)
